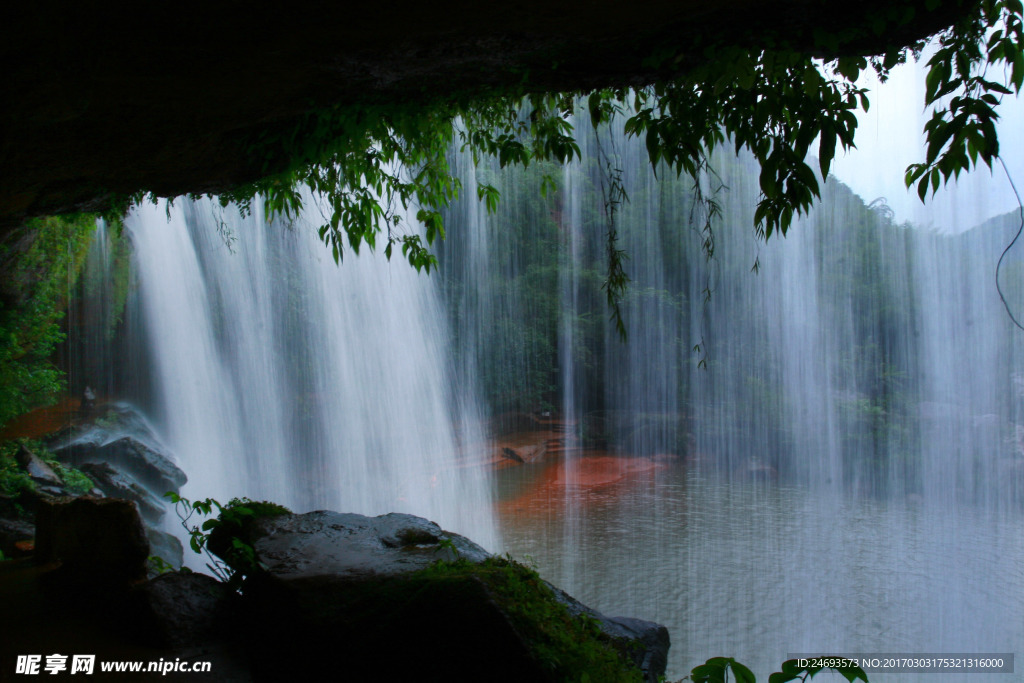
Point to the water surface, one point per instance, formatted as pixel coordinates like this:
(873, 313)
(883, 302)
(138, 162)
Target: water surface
(758, 571)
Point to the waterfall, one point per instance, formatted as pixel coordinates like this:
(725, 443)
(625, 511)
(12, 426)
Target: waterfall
(277, 374)
(782, 456)
(794, 438)
(862, 356)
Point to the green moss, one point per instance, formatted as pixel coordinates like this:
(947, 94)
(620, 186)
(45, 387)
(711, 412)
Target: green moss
(256, 509)
(74, 481)
(571, 648)
(13, 480)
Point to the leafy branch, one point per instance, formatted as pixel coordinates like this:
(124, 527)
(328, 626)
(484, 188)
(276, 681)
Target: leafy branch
(721, 669)
(613, 193)
(235, 558)
(369, 168)
(979, 60)
(199, 535)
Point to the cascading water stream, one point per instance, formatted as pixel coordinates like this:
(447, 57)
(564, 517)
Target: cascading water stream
(858, 423)
(280, 375)
(830, 481)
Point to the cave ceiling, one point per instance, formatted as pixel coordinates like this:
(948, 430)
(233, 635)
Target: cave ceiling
(100, 100)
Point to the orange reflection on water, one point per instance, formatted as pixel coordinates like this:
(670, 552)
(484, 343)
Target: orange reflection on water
(579, 479)
(43, 421)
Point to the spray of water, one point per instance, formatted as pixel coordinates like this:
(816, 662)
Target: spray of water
(277, 374)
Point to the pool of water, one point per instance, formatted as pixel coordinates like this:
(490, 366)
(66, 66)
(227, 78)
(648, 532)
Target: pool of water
(761, 571)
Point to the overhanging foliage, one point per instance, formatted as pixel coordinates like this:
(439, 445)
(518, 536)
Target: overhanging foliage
(366, 168)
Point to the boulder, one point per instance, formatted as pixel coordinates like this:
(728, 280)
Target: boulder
(165, 546)
(34, 466)
(340, 596)
(511, 454)
(652, 655)
(128, 455)
(371, 592)
(351, 546)
(117, 484)
(645, 642)
(180, 609)
(100, 544)
(11, 532)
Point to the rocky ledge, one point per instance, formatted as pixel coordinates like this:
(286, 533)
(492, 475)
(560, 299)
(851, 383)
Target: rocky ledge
(120, 456)
(327, 596)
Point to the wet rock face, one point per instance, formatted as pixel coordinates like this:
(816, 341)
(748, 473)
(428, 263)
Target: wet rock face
(122, 439)
(120, 454)
(152, 468)
(652, 656)
(115, 484)
(123, 457)
(33, 465)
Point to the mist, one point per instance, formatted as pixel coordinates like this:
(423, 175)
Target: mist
(890, 137)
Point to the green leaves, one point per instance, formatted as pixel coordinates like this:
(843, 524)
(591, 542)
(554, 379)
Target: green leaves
(961, 131)
(803, 669)
(717, 670)
(772, 103)
(239, 557)
(826, 148)
(367, 166)
(489, 195)
(186, 509)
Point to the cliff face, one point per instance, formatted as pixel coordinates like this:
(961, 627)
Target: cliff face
(99, 100)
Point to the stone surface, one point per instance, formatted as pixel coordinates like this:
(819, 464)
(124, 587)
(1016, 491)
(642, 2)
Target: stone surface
(117, 484)
(352, 585)
(165, 546)
(34, 466)
(349, 545)
(99, 543)
(12, 531)
(341, 597)
(181, 609)
(651, 657)
(130, 456)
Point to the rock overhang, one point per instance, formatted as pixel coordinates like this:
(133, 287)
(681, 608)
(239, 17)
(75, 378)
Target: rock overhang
(101, 102)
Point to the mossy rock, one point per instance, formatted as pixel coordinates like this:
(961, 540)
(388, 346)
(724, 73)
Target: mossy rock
(393, 598)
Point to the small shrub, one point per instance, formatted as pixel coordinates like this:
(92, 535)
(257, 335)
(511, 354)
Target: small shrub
(75, 482)
(158, 565)
(224, 534)
(13, 480)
